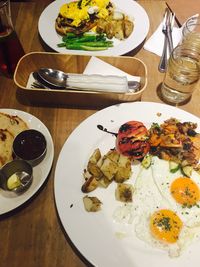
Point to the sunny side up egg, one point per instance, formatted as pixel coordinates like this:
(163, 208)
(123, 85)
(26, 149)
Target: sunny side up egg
(159, 218)
(181, 193)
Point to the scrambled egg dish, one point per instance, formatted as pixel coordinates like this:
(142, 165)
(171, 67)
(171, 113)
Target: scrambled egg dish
(79, 11)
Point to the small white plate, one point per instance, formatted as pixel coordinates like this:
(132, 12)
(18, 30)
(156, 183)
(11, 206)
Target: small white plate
(40, 172)
(46, 26)
(94, 234)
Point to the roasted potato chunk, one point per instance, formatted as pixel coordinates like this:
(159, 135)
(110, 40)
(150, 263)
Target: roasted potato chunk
(109, 168)
(128, 28)
(104, 182)
(91, 204)
(94, 170)
(96, 155)
(89, 185)
(124, 192)
(113, 155)
(124, 169)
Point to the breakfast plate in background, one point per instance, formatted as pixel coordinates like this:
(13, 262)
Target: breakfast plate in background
(97, 235)
(40, 172)
(46, 27)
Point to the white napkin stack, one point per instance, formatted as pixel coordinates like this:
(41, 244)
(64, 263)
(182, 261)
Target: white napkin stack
(108, 77)
(155, 43)
(98, 66)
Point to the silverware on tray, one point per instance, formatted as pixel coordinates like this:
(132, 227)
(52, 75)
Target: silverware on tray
(54, 79)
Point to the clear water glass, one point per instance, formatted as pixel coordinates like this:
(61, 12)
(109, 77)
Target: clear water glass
(182, 75)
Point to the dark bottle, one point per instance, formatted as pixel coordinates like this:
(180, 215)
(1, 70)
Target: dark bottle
(11, 49)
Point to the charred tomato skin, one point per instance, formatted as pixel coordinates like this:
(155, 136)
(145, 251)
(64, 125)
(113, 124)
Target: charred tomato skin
(132, 128)
(132, 140)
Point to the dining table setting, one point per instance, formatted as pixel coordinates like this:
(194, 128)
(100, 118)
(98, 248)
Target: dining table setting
(67, 101)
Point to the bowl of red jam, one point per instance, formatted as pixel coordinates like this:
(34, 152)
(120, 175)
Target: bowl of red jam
(31, 146)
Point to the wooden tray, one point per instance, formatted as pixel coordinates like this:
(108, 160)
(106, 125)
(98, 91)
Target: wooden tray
(74, 64)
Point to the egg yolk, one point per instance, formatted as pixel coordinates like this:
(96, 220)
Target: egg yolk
(185, 191)
(165, 226)
(77, 11)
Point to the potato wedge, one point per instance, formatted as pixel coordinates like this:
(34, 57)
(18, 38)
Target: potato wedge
(113, 155)
(96, 155)
(91, 204)
(90, 185)
(94, 170)
(124, 192)
(124, 169)
(104, 182)
(109, 168)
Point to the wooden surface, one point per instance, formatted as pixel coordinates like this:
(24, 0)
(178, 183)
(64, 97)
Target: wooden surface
(184, 9)
(32, 236)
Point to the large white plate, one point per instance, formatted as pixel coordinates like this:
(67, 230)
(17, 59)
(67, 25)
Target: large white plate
(46, 26)
(94, 234)
(40, 172)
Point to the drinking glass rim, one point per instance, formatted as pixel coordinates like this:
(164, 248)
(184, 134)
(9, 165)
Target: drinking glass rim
(191, 22)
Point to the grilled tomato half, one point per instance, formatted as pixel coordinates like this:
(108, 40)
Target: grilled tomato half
(132, 140)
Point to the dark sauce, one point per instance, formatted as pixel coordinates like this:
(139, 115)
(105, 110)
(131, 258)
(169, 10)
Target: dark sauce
(29, 145)
(100, 127)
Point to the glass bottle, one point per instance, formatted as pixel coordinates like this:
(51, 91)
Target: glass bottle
(11, 49)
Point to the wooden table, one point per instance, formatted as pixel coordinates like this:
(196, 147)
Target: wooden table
(32, 235)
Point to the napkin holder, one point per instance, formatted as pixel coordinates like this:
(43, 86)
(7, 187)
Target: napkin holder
(74, 64)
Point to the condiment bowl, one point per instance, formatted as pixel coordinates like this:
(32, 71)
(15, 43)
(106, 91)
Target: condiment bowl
(16, 176)
(31, 146)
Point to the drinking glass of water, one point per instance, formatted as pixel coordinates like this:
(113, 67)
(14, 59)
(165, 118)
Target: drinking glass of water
(182, 75)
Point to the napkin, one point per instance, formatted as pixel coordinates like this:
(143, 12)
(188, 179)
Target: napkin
(155, 43)
(110, 78)
(98, 66)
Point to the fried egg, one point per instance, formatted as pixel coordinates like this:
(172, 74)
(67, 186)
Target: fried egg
(181, 193)
(165, 217)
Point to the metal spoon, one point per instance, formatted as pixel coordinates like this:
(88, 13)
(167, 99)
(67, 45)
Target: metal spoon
(58, 79)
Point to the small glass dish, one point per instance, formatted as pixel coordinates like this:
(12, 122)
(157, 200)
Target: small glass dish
(31, 146)
(16, 176)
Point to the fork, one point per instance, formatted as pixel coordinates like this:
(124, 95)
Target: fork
(38, 85)
(168, 24)
(169, 31)
(163, 60)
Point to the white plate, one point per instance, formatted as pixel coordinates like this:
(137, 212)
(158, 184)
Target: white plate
(94, 234)
(46, 26)
(40, 172)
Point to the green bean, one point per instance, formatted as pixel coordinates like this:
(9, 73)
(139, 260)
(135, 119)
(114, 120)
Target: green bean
(61, 45)
(97, 44)
(86, 41)
(85, 47)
